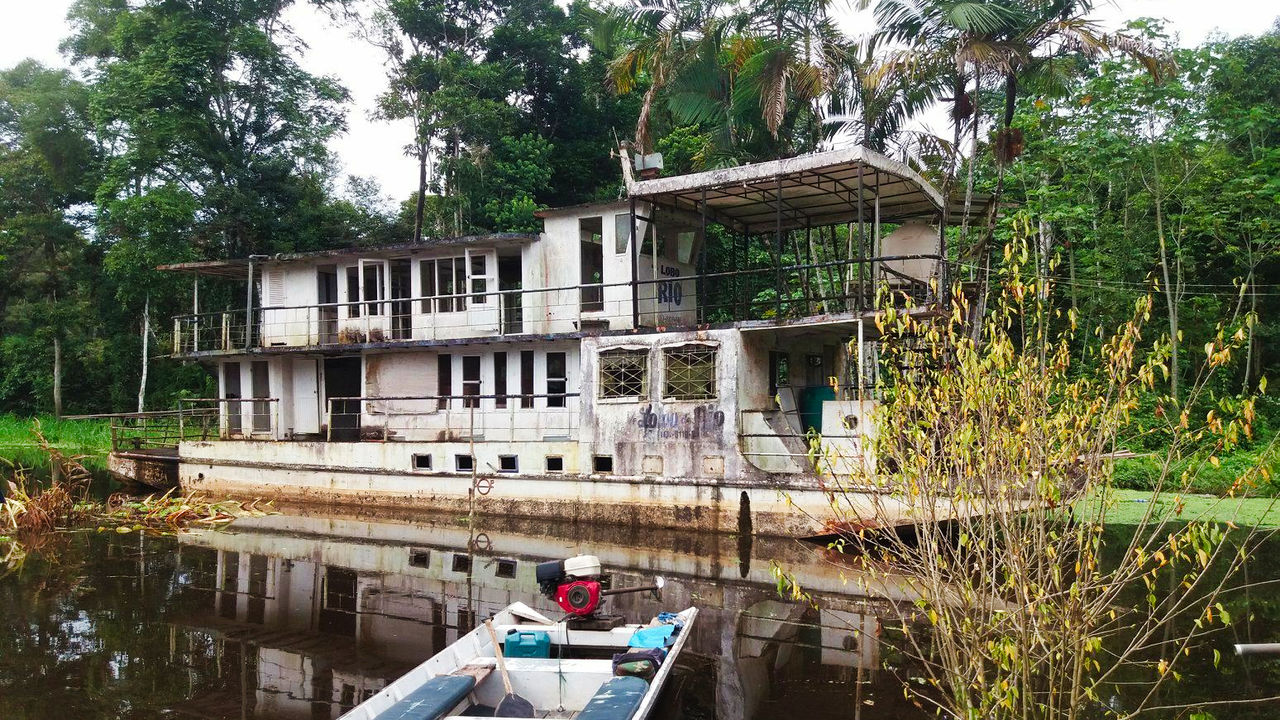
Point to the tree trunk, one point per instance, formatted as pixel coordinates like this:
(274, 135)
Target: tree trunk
(422, 193)
(146, 333)
(1042, 262)
(57, 376)
(1010, 98)
(1171, 300)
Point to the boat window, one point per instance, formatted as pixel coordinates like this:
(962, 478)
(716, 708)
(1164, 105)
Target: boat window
(591, 260)
(557, 379)
(471, 381)
(621, 232)
(500, 379)
(427, 273)
(526, 378)
(684, 246)
(444, 280)
(353, 291)
(779, 373)
(375, 286)
(463, 463)
(602, 464)
(508, 463)
(444, 378)
(690, 372)
(555, 464)
(422, 461)
(479, 280)
(419, 557)
(450, 279)
(506, 568)
(624, 373)
(462, 564)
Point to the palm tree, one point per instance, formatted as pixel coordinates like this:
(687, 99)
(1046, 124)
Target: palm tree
(873, 107)
(654, 41)
(799, 56)
(1046, 31)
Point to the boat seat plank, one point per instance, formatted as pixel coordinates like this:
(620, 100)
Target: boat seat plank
(432, 700)
(571, 665)
(479, 670)
(617, 699)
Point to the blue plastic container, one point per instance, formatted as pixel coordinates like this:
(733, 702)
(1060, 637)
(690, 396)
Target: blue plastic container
(533, 644)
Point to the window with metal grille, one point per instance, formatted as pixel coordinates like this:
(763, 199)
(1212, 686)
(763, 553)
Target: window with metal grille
(690, 373)
(624, 373)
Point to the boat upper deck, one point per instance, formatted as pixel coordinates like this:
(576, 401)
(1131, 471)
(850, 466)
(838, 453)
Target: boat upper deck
(776, 243)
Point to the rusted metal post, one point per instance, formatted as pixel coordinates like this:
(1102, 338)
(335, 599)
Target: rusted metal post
(862, 245)
(248, 305)
(635, 270)
(195, 315)
(700, 315)
(777, 244)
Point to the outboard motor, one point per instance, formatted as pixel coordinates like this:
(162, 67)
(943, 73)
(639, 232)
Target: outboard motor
(579, 587)
(575, 584)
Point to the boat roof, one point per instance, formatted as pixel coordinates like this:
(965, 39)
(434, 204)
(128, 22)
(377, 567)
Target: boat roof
(237, 267)
(815, 190)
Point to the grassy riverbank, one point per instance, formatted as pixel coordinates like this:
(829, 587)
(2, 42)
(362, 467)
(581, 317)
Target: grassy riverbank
(1130, 508)
(19, 445)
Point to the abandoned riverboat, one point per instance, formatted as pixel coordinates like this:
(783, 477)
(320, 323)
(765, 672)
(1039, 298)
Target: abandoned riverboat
(576, 373)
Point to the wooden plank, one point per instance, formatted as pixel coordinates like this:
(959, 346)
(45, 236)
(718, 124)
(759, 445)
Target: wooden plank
(478, 670)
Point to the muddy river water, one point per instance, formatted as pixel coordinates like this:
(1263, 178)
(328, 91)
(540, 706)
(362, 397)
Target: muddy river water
(300, 616)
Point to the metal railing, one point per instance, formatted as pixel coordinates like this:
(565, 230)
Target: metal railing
(160, 429)
(669, 302)
(503, 418)
(232, 418)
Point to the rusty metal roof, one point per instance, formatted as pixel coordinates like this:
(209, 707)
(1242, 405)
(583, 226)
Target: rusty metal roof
(239, 266)
(816, 190)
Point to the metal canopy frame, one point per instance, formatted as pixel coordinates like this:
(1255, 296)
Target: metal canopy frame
(808, 191)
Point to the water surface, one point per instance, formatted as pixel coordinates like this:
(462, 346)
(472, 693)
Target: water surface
(302, 616)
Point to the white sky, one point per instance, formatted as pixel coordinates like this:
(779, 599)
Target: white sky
(33, 28)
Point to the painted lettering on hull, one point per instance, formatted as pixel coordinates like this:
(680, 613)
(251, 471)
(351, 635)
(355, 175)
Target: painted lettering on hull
(701, 421)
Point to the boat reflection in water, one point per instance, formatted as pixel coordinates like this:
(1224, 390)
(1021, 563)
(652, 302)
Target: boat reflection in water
(317, 613)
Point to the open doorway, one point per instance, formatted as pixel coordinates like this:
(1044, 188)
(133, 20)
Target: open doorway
(401, 306)
(510, 277)
(260, 379)
(342, 380)
(591, 234)
(327, 299)
(231, 393)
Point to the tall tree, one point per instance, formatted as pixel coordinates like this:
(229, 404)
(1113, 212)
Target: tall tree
(48, 164)
(208, 96)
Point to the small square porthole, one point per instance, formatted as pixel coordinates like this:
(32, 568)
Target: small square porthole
(602, 464)
(506, 568)
(555, 464)
(419, 558)
(422, 461)
(463, 463)
(508, 463)
(461, 563)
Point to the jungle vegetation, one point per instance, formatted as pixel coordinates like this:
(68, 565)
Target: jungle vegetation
(185, 130)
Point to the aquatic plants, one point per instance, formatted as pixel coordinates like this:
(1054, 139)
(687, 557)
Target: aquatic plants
(33, 511)
(170, 512)
(1000, 446)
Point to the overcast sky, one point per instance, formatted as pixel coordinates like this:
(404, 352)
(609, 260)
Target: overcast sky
(33, 28)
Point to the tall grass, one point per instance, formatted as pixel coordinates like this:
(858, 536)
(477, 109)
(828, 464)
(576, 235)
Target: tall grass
(20, 446)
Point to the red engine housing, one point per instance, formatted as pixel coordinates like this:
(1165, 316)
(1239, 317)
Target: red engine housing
(579, 597)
